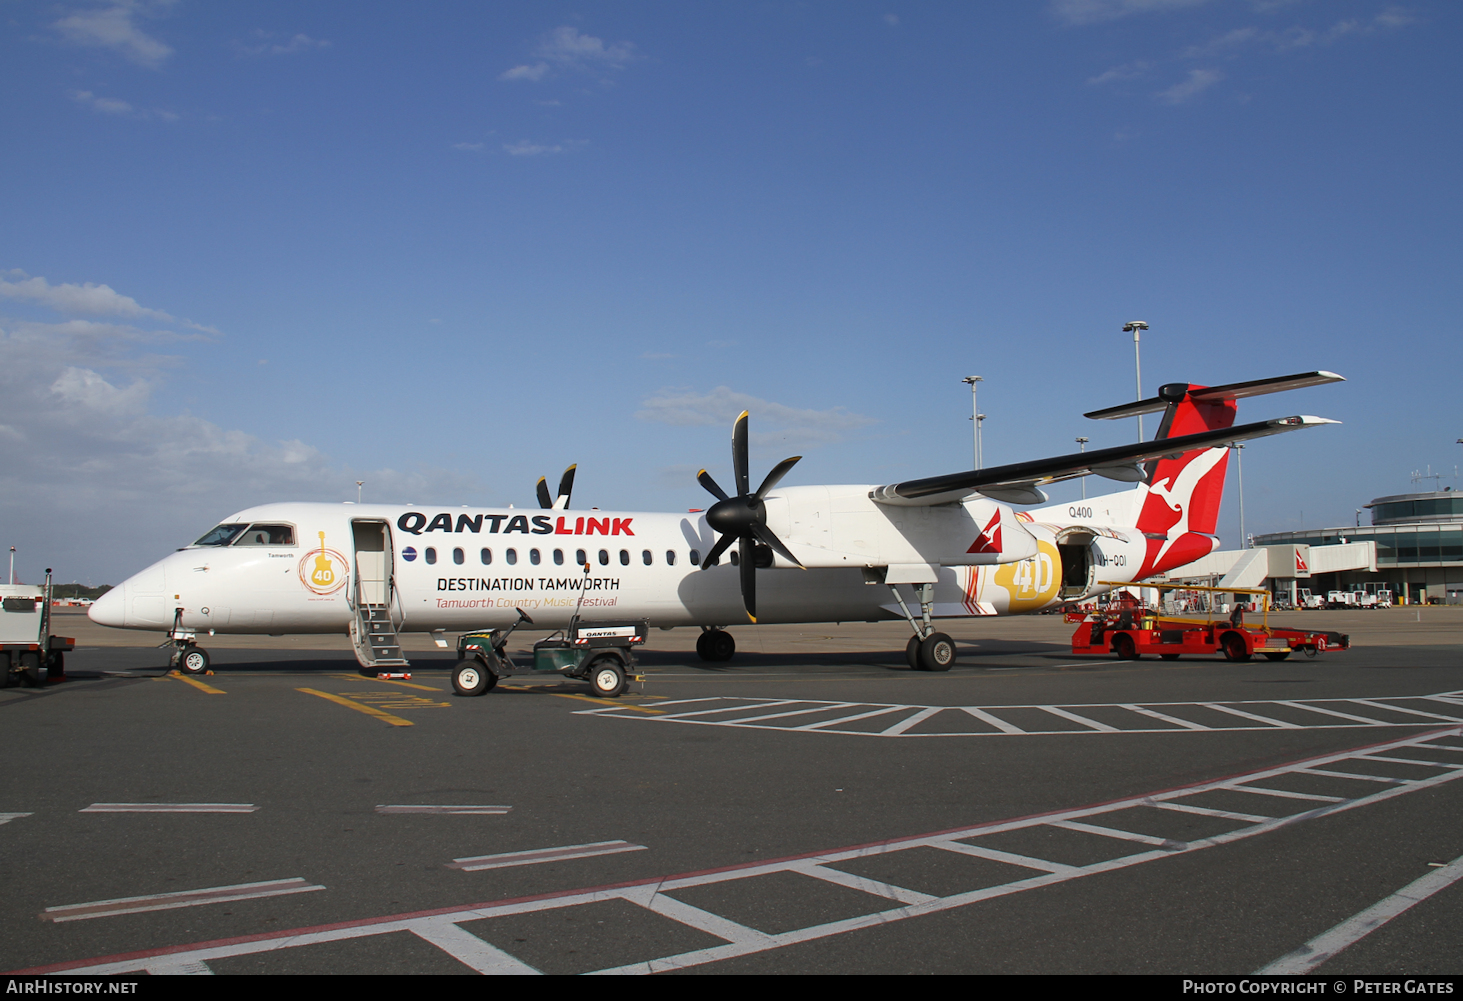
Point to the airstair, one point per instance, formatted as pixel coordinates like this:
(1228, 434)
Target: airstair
(373, 630)
(373, 634)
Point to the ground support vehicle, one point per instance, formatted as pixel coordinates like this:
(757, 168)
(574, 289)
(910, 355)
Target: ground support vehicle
(26, 643)
(601, 653)
(1128, 631)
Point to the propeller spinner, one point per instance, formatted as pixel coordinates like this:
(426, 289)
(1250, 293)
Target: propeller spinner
(743, 518)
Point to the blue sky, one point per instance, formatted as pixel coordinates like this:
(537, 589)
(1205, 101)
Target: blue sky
(256, 252)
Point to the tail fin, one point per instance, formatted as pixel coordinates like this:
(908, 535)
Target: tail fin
(1179, 496)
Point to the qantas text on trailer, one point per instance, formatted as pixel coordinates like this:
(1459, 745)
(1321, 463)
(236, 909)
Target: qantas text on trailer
(947, 546)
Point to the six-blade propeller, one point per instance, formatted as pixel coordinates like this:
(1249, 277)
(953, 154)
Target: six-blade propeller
(743, 518)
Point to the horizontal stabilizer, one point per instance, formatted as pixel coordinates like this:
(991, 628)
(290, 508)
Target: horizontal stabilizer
(1022, 478)
(1174, 392)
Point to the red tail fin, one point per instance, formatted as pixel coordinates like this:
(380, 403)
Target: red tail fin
(1181, 495)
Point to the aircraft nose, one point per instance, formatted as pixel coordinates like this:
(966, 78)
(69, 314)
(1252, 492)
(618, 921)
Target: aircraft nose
(111, 608)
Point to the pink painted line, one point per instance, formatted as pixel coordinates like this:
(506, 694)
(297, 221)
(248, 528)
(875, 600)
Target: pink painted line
(127, 957)
(465, 810)
(169, 808)
(543, 855)
(168, 901)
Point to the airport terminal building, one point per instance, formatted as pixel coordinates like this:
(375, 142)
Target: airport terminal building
(1418, 540)
(1413, 547)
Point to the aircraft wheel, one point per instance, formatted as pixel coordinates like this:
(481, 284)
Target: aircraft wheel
(1277, 656)
(1234, 648)
(716, 645)
(30, 669)
(470, 677)
(1169, 656)
(1124, 649)
(937, 652)
(911, 654)
(607, 677)
(193, 661)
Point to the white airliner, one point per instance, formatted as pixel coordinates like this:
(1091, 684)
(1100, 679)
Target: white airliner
(952, 544)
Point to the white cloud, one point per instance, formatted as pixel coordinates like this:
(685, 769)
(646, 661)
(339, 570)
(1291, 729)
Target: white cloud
(116, 106)
(526, 147)
(892, 20)
(267, 43)
(568, 45)
(1089, 11)
(87, 299)
(97, 481)
(720, 407)
(467, 146)
(113, 28)
(1198, 81)
(1395, 17)
(569, 48)
(1127, 71)
(534, 72)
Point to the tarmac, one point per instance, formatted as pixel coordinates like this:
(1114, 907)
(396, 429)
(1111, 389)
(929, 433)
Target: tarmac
(812, 806)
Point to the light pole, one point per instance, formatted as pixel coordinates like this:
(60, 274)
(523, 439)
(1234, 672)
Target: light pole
(975, 415)
(359, 484)
(1133, 328)
(1239, 468)
(12, 564)
(1082, 445)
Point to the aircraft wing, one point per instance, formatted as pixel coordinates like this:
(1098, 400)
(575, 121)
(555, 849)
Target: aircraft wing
(1018, 482)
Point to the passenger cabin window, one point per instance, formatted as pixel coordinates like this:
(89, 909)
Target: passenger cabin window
(558, 557)
(670, 557)
(695, 557)
(624, 557)
(511, 555)
(645, 557)
(459, 557)
(431, 555)
(604, 557)
(533, 557)
(221, 536)
(267, 535)
(581, 557)
(486, 555)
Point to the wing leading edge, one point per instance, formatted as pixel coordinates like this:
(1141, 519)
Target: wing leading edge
(1019, 482)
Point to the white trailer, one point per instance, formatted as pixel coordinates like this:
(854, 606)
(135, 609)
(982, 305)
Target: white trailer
(26, 644)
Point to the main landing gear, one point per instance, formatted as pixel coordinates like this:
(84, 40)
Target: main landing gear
(927, 650)
(715, 644)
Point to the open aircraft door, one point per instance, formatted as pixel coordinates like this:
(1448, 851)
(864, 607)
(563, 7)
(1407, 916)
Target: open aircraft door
(373, 596)
(1079, 569)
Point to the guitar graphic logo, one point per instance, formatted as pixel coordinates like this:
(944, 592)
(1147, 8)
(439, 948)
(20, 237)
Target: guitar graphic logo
(323, 570)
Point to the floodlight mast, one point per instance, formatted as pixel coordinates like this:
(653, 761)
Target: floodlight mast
(1082, 446)
(1133, 327)
(975, 415)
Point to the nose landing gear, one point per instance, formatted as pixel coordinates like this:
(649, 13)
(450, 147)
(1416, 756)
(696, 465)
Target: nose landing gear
(187, 656)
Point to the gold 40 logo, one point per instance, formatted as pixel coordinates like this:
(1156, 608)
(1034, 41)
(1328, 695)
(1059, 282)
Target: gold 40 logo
(323, 570)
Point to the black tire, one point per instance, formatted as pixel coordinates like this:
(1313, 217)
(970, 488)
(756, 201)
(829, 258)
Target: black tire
(470, 677)
(8, 678)
(1233, 645)
(194, 661)
(701, 649)
(937, 652)
(719, 645)
(607, 677)
(1124, 648)
(1169, 656)
(1277, 656)
(911, 654)
(30, 669)
(56, 666)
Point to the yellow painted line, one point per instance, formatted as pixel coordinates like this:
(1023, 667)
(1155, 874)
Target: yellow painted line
(368, 710)
(608, 702)
(197, 684)
(384, 681)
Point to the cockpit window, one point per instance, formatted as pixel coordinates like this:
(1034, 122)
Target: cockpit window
(221, 536)
(267, 535)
